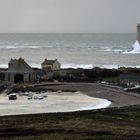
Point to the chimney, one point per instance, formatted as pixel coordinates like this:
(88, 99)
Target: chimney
(138, 32)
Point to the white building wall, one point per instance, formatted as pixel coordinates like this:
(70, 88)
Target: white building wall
(56, 66)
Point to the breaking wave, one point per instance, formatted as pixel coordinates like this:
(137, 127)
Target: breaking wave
(87, 66)
(75, 66)
(135, 50)
(34, 47)
(113, 50)
(10, 47)
(3, 65)
(19, 47)
(109, 49)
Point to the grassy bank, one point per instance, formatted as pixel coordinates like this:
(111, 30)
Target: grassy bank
(111, 123)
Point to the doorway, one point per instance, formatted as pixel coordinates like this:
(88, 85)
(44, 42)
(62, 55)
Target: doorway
(19, 78)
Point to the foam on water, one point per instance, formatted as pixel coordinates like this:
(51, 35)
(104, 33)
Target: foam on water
(34, 47)
(8, 47)
(75, 66)
(109, 66)
(35, 65)
(136, 48)
(19, 47)
(110, 49)
(11, 47)
(113, 50)
(117, 50)
(118, 66)
(3, 65)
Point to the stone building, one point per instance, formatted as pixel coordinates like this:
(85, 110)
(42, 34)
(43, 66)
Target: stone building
(19, 72)
(51, 65)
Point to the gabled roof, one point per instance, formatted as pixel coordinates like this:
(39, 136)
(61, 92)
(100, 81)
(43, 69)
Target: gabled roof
(49, 62)
(19, 66)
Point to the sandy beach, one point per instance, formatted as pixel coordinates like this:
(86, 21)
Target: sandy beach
(115, 94)
(54, 102)
(75, 97)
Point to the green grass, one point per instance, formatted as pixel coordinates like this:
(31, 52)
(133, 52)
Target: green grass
(63, 137)
(105, 124)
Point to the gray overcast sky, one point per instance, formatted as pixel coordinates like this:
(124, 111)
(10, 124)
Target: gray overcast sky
(69, 16)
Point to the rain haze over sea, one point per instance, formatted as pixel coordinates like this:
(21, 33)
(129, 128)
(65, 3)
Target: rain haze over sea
(72, 50)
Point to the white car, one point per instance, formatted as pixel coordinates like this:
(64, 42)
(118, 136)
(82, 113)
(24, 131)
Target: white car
(38, 97)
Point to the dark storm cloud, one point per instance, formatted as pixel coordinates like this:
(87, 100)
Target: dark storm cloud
(89, 16)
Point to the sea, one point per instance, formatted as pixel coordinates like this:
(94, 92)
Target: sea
(71, 50)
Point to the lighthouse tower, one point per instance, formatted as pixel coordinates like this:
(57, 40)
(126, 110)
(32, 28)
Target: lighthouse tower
(138, 32)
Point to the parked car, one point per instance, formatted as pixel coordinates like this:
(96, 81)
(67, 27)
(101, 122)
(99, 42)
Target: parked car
(29, 97)
(38, 97)
(12, 96)
(59, 91)
(45, 96)
(35, 97)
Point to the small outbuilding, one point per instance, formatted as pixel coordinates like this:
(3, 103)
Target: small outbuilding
(19, 72)
(51, 65)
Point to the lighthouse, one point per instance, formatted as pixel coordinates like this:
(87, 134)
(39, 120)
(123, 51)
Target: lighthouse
(138, 32)
(136, 45)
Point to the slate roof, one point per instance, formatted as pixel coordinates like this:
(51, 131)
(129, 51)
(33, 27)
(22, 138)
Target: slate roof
(19, 66)
(49, 62)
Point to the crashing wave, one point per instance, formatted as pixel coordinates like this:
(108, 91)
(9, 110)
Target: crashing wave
(10, 47)
(136, 48)
(75, 66)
